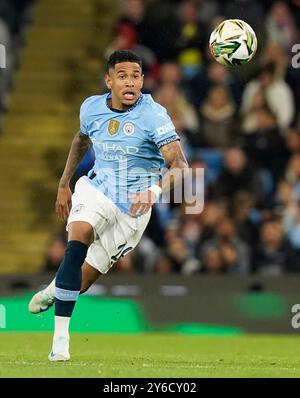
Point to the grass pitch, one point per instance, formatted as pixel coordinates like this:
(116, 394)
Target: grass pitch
(152, 355)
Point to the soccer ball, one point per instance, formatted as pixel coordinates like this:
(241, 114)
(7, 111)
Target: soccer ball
(233, 43)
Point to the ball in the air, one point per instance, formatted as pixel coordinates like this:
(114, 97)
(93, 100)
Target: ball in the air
(233, 42)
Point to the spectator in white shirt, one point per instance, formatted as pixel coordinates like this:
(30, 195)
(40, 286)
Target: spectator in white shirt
(278, 94)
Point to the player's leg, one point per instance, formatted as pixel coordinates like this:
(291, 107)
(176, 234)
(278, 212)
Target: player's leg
(44, 299)
(89, 276)
(67, 286)
(117, 240)
(88, 218)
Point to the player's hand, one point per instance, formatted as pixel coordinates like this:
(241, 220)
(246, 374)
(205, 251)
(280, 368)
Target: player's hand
(63, 202)
(141, 202)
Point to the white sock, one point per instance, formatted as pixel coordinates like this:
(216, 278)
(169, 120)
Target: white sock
(61, 327)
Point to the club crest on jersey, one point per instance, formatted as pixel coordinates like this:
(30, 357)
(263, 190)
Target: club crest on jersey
(128, 128)
(113, 127)
(77, 209)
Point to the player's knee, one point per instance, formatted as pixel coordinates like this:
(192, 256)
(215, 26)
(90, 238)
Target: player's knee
(81, 231)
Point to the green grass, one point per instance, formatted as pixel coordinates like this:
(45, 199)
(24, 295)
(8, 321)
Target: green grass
(152, 355)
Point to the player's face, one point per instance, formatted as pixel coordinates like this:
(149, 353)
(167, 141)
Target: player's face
(125, 81)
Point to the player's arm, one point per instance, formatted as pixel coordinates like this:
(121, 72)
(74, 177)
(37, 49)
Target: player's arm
(78, 148)
(178, 169)
(178, 165)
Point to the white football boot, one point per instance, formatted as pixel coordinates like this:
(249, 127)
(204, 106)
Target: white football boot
(41, 301)
(60, 350)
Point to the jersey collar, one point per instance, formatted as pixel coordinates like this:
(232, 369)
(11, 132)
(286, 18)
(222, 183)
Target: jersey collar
(139, 100)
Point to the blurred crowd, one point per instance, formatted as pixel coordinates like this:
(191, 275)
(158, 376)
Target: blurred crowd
(241, 125)
(14, 17)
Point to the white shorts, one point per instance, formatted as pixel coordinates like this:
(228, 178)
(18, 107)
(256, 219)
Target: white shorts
(115, 233)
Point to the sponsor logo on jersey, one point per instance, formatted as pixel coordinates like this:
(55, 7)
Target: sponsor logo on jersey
(113, 151)
(129, 150)
(165, 128)
(128, 128)
(113, 127)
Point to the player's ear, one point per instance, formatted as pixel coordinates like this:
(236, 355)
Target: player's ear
(142, 80)
(108, 81)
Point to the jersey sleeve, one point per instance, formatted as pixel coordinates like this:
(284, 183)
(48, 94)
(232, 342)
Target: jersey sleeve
(163, 130)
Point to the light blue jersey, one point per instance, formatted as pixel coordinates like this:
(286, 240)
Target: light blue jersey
(126, 145)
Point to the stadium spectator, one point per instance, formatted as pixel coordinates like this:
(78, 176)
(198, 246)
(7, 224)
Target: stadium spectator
(219, 74)
(211, 216)
(133, 14)
(191, 42)
(274, 53)
(55, 254)
(249, 119)
(234, 253)
(162, 29)
(177, 258)
(146, 255)
(238, 175)
(217, 119)
(291, 219)
(207, 11)
(163, 265)
(211, 261)
(293, 141)
(170, 74)
(280, 25)
(183, 114)
(292, 174)
(265, 146)
(294, 6)
(199, 185)
(279, 95)
(214, 74)
(190, 231)
(273, 255)
(169, 96)
(245, 217)
(172, 231)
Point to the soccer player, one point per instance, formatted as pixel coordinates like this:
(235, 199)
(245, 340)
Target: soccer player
(110, 208)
